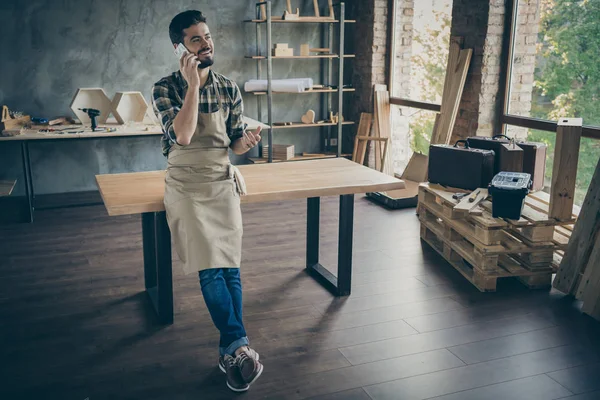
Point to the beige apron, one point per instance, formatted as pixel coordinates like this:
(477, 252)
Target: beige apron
(202, 197)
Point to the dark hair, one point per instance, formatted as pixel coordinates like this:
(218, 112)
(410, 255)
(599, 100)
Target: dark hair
(183, 21)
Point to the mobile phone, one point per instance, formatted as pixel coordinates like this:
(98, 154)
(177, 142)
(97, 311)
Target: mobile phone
(180, 50)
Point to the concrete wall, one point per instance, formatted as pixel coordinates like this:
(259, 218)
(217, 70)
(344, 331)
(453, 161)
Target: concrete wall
(50, 48)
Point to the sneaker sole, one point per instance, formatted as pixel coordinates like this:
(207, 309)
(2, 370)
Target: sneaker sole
(260, 371)
(238, 390)
(222, 368)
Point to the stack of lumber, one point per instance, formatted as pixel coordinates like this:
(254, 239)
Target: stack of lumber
(459, 60)
(483, 248)
(579, 271)
(280, 151)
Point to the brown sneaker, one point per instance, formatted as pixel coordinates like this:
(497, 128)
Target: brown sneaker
(252, 353)
(250, 367)
(235, 381)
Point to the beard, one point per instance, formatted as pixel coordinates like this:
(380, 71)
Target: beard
(205, 60)
(205, 63)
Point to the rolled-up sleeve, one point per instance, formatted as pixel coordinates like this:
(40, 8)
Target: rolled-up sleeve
(166, 105)
(236, 125)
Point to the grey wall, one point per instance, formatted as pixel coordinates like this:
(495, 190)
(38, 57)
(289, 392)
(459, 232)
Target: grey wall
(50, 48)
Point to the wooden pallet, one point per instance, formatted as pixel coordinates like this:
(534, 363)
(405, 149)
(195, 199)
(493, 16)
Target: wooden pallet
(493, 247)
(487, 234)
(459, 256)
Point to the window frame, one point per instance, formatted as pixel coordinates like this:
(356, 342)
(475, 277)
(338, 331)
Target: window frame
(508, 45)
(391, 45)
(506, 66)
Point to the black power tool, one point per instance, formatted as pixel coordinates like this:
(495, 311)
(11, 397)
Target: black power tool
(92, 113)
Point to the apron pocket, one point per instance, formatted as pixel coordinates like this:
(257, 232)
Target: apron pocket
(238, 179)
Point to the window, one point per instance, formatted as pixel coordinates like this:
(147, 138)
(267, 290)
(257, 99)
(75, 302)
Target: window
(554, 74)
(420, 44)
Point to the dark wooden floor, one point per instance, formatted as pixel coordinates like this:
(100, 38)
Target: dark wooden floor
(75, 323)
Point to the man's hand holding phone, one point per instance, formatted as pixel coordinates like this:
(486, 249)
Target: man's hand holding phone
(188, 65)
(251, 139)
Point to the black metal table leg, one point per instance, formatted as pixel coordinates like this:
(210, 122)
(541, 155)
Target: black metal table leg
(28, 179)
(342, 284)
(158, 273)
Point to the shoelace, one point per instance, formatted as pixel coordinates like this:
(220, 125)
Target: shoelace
(243, 357)
(230, 361)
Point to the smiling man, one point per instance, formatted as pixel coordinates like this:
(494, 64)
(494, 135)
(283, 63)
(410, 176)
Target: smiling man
(201, 116)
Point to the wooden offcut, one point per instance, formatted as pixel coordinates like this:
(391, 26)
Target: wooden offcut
(589, 288)
(366, 139)
(456, 76)
(566, 157)
(582, 239)
(280, 151)
(383, 130)
(364, 129)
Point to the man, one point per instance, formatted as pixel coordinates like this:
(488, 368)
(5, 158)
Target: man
(201, 116)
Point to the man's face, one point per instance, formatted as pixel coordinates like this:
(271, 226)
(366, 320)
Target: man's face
(198, 40)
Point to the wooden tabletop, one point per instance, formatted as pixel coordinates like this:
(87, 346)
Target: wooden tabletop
(66, 132)
(121, 130)
(139, 192)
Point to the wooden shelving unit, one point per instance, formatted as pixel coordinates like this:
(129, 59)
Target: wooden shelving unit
(328, 129)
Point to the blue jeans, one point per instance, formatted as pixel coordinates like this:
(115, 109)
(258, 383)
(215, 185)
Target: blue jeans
(222, 290)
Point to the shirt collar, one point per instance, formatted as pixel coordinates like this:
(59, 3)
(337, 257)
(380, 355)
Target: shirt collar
(183, 83)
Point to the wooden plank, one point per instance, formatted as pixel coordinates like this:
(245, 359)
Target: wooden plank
(383, 124)
(456, 76)
(566, 157)
(138, 192)
(6, 187)
(364, 129)
(589, 287)
(316, 7)
(580, 244)
(416, 169)
(542, 199)
(363, 146)
(471, 201)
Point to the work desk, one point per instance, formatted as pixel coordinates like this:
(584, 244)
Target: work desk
(27, 136)
(143, 193)
(121, 131)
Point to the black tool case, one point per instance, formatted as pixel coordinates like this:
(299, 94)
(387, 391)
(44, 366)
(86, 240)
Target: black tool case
(460, 167)
(508, 191)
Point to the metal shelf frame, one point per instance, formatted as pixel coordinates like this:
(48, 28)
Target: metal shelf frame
(326, 76)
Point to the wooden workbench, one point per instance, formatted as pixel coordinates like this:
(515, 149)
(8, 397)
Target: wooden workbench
(81, 132)
(143, 193)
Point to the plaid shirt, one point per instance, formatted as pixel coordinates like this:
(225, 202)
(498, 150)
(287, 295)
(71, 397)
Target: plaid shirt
(168, 95)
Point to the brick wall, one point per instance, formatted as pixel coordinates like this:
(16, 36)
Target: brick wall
(482, 26)
(370, 42)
